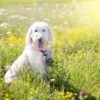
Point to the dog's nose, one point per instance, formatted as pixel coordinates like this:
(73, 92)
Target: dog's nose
(40, 39)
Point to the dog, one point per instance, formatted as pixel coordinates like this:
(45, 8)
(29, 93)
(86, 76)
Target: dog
(36, 52)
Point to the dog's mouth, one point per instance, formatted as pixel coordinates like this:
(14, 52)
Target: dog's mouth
(41, 46)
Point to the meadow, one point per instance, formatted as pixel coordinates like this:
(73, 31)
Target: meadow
(76, 48)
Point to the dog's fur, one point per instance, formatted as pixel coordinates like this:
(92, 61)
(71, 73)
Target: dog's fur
(38, 42)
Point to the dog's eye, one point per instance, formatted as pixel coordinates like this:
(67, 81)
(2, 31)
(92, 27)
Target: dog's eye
(35, 30)
(43, 30)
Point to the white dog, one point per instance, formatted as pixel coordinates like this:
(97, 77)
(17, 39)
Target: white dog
(37, 50)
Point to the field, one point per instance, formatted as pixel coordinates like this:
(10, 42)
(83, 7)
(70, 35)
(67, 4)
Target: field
(76, 48)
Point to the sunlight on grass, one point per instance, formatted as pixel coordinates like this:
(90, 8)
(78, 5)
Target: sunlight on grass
(76, 48)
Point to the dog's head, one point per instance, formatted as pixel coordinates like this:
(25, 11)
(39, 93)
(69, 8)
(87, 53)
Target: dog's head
(40, 35)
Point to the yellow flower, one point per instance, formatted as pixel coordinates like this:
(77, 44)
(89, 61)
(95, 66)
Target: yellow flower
(27, 84)
(68, 94)
(32, 90)
(7, 97)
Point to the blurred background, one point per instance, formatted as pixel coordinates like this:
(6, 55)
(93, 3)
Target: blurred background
(76, 67)
(18, 15)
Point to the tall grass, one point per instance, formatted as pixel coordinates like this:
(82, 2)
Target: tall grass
(76, 49)
(75, 68)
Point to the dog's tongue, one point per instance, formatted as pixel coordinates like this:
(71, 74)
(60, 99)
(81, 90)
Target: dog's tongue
(41, 47)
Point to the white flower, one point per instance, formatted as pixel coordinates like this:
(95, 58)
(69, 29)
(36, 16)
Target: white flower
(9, 32)
(4, 24)
(52, 80)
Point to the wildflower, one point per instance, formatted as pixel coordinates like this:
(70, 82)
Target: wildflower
(32, 90)
(52, 80)
(14, 40)
(68, 94)
(4, 24)
(81, 95)
(7, 97)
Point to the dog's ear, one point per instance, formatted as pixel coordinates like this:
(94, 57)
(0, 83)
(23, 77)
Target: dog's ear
(28, 37)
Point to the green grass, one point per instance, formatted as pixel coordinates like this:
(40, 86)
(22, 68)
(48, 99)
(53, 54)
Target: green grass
(76, 48)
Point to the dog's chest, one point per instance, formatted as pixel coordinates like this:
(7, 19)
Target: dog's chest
(36, 59)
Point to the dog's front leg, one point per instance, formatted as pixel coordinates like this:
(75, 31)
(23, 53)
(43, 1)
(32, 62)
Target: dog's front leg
(16, 67)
